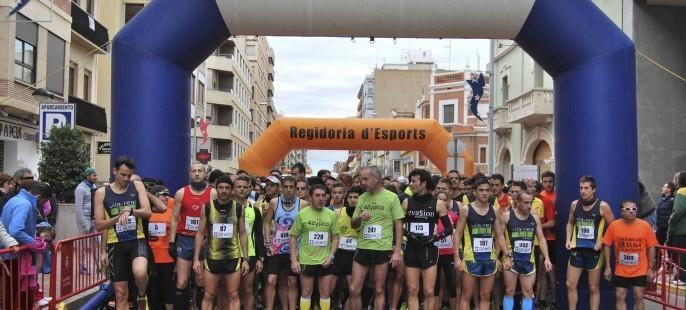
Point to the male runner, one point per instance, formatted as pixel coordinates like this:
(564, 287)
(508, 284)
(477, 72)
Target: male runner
(337, 196)
(446, 252)
(477, 227)
(521, 229)
(343, 264)
(502, 199)
(281, 215)
(302, 188)
(161, 295)
(588, 219)
(380, 215)
(315, 235)
(119, 210)
(422, 212)
(185, 223)
(634, 242)
(547, 195)
(254, 231)
(454, 177)
(223, 222)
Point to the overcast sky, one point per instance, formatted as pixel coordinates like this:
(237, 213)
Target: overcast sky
(320, 77)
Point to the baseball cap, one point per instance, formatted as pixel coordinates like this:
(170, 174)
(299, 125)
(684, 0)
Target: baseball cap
(89, 171)
(274, 179)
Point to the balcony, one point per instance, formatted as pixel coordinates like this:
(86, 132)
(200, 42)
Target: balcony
(222, 63)
(222, 96)
(87, 30)
(220, 132)
(500, 121)
(532, 107)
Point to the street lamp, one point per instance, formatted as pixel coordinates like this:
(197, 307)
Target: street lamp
(42, 95)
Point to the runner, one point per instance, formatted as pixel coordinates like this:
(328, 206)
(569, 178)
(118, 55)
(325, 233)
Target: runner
(337, 196)
(454, 177)
(161, 296)
(222, 221)
(343, 264)
(446, 266)
(380, 215)
(422, 212)
(477, 227)
(547, 279)
(189, 202)
(315, 235)
(522, 228)
(281, 215)
(119, 210)
(302, 188)
(501, 198)
(253, 228)
(634, 243)
(588, 219)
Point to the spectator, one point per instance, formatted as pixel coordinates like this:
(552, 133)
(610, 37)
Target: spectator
(676, 230)
(6, 188)
(19, 216)
(83, 207)
(22, 176)
(664, 210)
(6, 240)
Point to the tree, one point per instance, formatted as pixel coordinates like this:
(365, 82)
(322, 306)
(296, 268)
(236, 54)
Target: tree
(63, 159)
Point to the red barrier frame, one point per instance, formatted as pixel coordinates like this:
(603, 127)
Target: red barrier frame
(660, 289)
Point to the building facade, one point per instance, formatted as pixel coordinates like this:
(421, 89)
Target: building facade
(448, 102)
(55, 46)
(523, 121)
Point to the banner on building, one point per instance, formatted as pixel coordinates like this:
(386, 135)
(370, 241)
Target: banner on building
(521, 172)
(55, 115)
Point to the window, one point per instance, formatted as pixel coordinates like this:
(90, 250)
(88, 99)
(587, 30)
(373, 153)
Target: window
(55, 64)
(86, 85)
(447, 111)
(250, 50)
(72, 80)
(25, 50)
(224, 81)
(482, 154)
(131, 10)
(505, 89)
(192, 89)
(222, 149)
(89, 7)
(396, 166)
(223, 115)
(227, 49)
(201, 93)
(538, 75)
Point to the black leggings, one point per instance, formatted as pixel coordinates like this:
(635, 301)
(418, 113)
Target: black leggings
(447, 266)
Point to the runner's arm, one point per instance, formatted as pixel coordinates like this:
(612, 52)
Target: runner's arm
(570, 223)
(200, 234)
(268, 217)
(156, 204)
(398, 225)
(500, 233)
(606, 211)
(178, 200)
(258, 235)
(144, 210)
(541, 238)
(461, 223)
(100, 222)
(442, 211)
(242, 233)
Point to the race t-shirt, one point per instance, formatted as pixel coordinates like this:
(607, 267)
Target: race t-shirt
(548, 199)
(316, 229)
(631, 242)
(158, 234)
(538, 208)
(384, 208)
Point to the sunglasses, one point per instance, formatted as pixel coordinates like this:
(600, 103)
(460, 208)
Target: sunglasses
(27, 178)
(629, 209)
(165, 194)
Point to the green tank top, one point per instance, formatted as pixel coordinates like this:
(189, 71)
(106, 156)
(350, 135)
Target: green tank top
(222, 230)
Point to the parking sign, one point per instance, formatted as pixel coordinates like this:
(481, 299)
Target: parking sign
(55, 115)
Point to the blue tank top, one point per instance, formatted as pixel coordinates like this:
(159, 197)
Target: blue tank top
(520, 237)
(588, 226)
(283, 220)
(114, 203)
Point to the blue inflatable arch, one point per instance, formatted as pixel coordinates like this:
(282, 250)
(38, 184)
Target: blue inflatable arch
(589, 57)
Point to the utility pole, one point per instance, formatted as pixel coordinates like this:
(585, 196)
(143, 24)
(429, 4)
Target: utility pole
(491, 108)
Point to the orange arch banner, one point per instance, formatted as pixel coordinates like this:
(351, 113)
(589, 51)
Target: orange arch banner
(285, 134)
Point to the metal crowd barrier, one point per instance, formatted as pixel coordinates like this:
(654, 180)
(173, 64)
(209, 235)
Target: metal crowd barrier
(23, 284)
(75, 268)
(664, 289)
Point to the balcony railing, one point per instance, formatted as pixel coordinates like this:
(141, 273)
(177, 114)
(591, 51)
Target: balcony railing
(500, 121)
(532, 107)
(88, 28)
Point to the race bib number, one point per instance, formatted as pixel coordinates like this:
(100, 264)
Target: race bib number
(157, 229)
(192, 223)
(347, 243)
(282, 237)
(585, 232)
(445, 243)
(129, 226)
(420, 228)
(319, 238)
(522, 246)
(222, 231)
(628, 259)
(483, 245)
(372, 232)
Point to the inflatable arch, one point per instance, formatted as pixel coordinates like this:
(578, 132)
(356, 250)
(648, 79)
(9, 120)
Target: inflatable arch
(286, 134)
(591, 60)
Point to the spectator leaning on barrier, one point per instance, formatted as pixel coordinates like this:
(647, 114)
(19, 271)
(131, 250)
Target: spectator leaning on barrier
(676, 232)
(83, 207)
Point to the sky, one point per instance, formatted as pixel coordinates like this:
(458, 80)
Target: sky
(320, 77)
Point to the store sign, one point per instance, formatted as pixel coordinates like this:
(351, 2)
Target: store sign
(55, 115)
(14, 131)
(104, 147)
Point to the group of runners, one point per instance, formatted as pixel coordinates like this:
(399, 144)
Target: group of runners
(447, 241)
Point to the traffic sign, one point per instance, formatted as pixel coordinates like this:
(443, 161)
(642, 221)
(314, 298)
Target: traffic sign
(455, 146)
